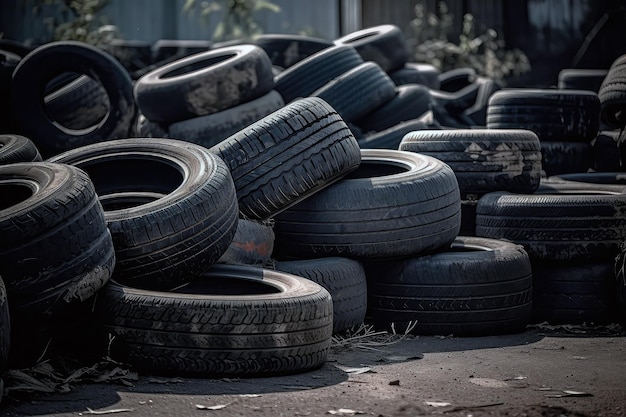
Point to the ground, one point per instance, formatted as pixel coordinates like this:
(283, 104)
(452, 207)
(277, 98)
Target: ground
(548, 371)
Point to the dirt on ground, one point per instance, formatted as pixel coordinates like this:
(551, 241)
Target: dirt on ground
(549, 371)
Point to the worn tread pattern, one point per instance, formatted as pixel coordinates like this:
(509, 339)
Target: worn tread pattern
(559, 157)
(16, 148)
(288, 155)
(612, 95)
(252, 244)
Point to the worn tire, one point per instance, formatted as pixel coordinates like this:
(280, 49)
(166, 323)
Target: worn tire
(344, 279)
(285, 50)
(383, 44)
(231, 321)
(416, 73)
(612, 95)
(166, 49)
(483, 160)
(253, 244)
(581, 79)
(456, 79)
(476, 287)
(391, 137)
(561, 221)
(170, 205)
(287, 156)
(16, 148)
(395, 204)
(204, 83)
(55, 58)
(558, 157)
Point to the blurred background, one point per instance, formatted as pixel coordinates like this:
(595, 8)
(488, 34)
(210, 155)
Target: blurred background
(533, 39)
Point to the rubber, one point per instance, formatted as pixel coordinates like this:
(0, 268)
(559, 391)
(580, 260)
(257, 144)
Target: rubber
(232, 321)
(581, 79)
(416, 73)
(170, 205)
(383, 44)
(17, 148)
(252, 244)
(612, 95)
(559, 157)
(475, 287)
(391, 137)
(288, 156)
(285, 50)
(395, 204)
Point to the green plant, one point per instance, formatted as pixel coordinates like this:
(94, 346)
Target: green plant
(238, 20)
(485, 52)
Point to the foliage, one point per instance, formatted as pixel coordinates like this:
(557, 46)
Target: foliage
(485, 53)
(238, 20)
(77, 20)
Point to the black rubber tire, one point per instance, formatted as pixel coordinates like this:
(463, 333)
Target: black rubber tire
(134, 55)
(344, 279)
(565, 157)
(395, 204)
(231, 321)
(458, 101)
(211, 129)
(581, 79)
(561, 221)
(391, 137)
(79, 104)
(5, 332)
(416, 73)
(166, 49)
(612, 95)
(574, 293)
(50, 60)
(170, 205)
(410, 102)
(619, 286)
(301, 79)
(55, 248)
(358, 91)
(286, 50)
(16, 47)
(606, 155)
(554, 115)
(150, 129)
(476, 287)
(287, 156)
(383, 44)
(456, 79)
(476, 114)
(483, 160)
(204, 83)
(16, 148)
(253, 244)
(594, 177)
(468, 216)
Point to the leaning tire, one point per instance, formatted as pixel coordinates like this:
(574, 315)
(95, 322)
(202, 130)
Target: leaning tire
(476, 287)
(231, 321)
(285, 50)
(170, 205)
(344, 279)
(55, 58)
(395, 204)
(287, 156)
(16, 148)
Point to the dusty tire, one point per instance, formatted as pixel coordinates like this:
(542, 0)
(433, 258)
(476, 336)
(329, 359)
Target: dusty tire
(50, 60)
(561, 221)
(231, 321)
(384, 44)
(395, 204)
(483, 160)
(170, 205)
(344, 279)
(252, 244)
(612, 95)
(286, 50)
(204, 83)
(554, 115)
(287, 156)
(16, 148)
(301, 79)
(211, 129)
(476, 287)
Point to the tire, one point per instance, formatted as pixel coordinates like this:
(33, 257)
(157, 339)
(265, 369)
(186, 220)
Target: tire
(554, 115)
(134, 55)
(149, 129)
(606, 156)
(286, 50)
(477, 112)
(458, 101)
(344, 279)
(358, 91)
(391, 137)
(5, 332)
(204, 83)
(566, 157)
(55, 58)
(16, 148)
(612, 95)
(395, 204)
(287, 156)
(416, 73)
(620, 286)
(410, 102)
(231, 321)
(561, 221)
(384, 44)
(616, 178)
(483, 160)
(574, 293)
(165, 49)
(213, 128)
(253, 244)
(170, 205)
(581, 79)
(303, 78)
(476, 287)
(468, 216)
(456, 79)
(55, 248)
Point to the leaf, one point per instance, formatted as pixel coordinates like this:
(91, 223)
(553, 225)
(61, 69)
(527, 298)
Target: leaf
(344, 412)
(437, 403)
(211, 407)
(102, 412)
(358, 371)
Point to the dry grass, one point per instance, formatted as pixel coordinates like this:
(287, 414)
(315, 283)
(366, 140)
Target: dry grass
(365, 337)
